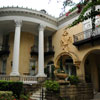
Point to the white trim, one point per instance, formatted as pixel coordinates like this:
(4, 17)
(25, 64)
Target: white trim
(29, 19)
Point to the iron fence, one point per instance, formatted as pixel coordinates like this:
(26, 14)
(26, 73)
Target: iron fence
(86, 34)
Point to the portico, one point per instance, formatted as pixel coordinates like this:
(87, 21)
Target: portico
(16, 28)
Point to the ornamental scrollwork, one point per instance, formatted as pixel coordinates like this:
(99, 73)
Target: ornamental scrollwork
(66, 40)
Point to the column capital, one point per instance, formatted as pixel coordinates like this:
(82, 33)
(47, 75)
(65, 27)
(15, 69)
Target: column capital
(18, 23)
(41, 27)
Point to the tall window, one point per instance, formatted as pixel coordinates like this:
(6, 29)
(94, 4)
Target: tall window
(50, 42)
(33, 67)
(3, 69)
(69, 67)
(36, 43)
(86, 26)
(5, 39)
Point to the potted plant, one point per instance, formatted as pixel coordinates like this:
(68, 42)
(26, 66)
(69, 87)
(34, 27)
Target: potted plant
(33, 67)
(73, 80)
(61, 72)
(51, 85)
(52, 90)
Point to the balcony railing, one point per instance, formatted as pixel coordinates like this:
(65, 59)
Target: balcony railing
(4, 49)
(48, 51)
(34, 50)
(28, 79)
(86, 36)
(4, 77)
(24, 78)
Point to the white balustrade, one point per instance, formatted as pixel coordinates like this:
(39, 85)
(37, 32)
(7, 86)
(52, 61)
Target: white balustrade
(24, 78)
(28, 79)
(4, 77)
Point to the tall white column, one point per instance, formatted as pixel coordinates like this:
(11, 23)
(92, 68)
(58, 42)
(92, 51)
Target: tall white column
(15, 67)
(41, 52)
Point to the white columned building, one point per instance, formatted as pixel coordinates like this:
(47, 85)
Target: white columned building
(41, 52)
(15, 67)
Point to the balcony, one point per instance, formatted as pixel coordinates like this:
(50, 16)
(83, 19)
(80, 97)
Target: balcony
(34, 50)
(49, 51)
(87, 37)
(4, 50)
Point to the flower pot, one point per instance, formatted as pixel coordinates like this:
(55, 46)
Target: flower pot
(61, 76)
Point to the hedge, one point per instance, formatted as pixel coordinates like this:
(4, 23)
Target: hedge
(15, 87)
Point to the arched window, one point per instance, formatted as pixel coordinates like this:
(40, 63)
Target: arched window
(69, 67)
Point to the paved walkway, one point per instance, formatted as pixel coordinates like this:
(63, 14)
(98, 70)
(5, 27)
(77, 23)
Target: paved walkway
(37, 95)
(97, 96)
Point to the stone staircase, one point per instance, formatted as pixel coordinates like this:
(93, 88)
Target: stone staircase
(38, 95)
(97, 96)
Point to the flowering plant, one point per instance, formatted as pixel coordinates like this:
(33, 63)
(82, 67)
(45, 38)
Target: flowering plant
(7, 98)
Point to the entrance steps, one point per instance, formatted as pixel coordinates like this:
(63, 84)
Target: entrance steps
(38, 95)
(97, 96)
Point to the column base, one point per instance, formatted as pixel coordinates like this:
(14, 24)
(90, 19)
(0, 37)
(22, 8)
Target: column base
(14, 74)
(41, 75)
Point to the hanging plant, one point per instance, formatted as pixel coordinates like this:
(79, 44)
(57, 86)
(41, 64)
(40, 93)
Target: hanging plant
(67, 14)
(79, 6)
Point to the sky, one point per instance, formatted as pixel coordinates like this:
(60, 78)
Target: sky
(53, 8)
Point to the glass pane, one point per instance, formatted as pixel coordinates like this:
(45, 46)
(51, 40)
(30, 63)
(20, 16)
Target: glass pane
(4, 67)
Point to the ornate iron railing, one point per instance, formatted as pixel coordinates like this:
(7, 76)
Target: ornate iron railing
(86, 34)
(49, 48)
(4, 47)
(34, 48)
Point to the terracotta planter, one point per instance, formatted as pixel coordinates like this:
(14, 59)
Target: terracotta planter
(61, 75)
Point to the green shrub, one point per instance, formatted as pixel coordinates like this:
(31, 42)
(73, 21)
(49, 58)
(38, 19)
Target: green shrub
(52, 85)
(24, 97)
(15, 87)
(73, 79)
(6, 95)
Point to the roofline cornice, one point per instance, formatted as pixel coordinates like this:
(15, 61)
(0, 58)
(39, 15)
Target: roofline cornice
(6, 11)
(28, 11)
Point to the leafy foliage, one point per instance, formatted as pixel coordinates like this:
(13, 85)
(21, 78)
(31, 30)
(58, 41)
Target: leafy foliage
(52, 85)
(90, 15)
(6, 95)
(73, 79)
(68, 3)
(24, 97)
(15, 87)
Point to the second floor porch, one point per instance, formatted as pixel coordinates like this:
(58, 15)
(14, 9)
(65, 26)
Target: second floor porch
(48, 50)
(4, 49)
(86, 37)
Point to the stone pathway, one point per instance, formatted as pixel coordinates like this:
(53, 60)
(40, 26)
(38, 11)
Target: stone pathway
(97, 96)
(37, 95)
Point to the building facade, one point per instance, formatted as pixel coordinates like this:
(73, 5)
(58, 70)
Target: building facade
(31, 41)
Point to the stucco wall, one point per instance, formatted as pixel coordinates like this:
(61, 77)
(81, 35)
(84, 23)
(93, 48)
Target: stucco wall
(9, 60)
(57, 39)
(26, 42)
(77, 54)
(73, 51)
